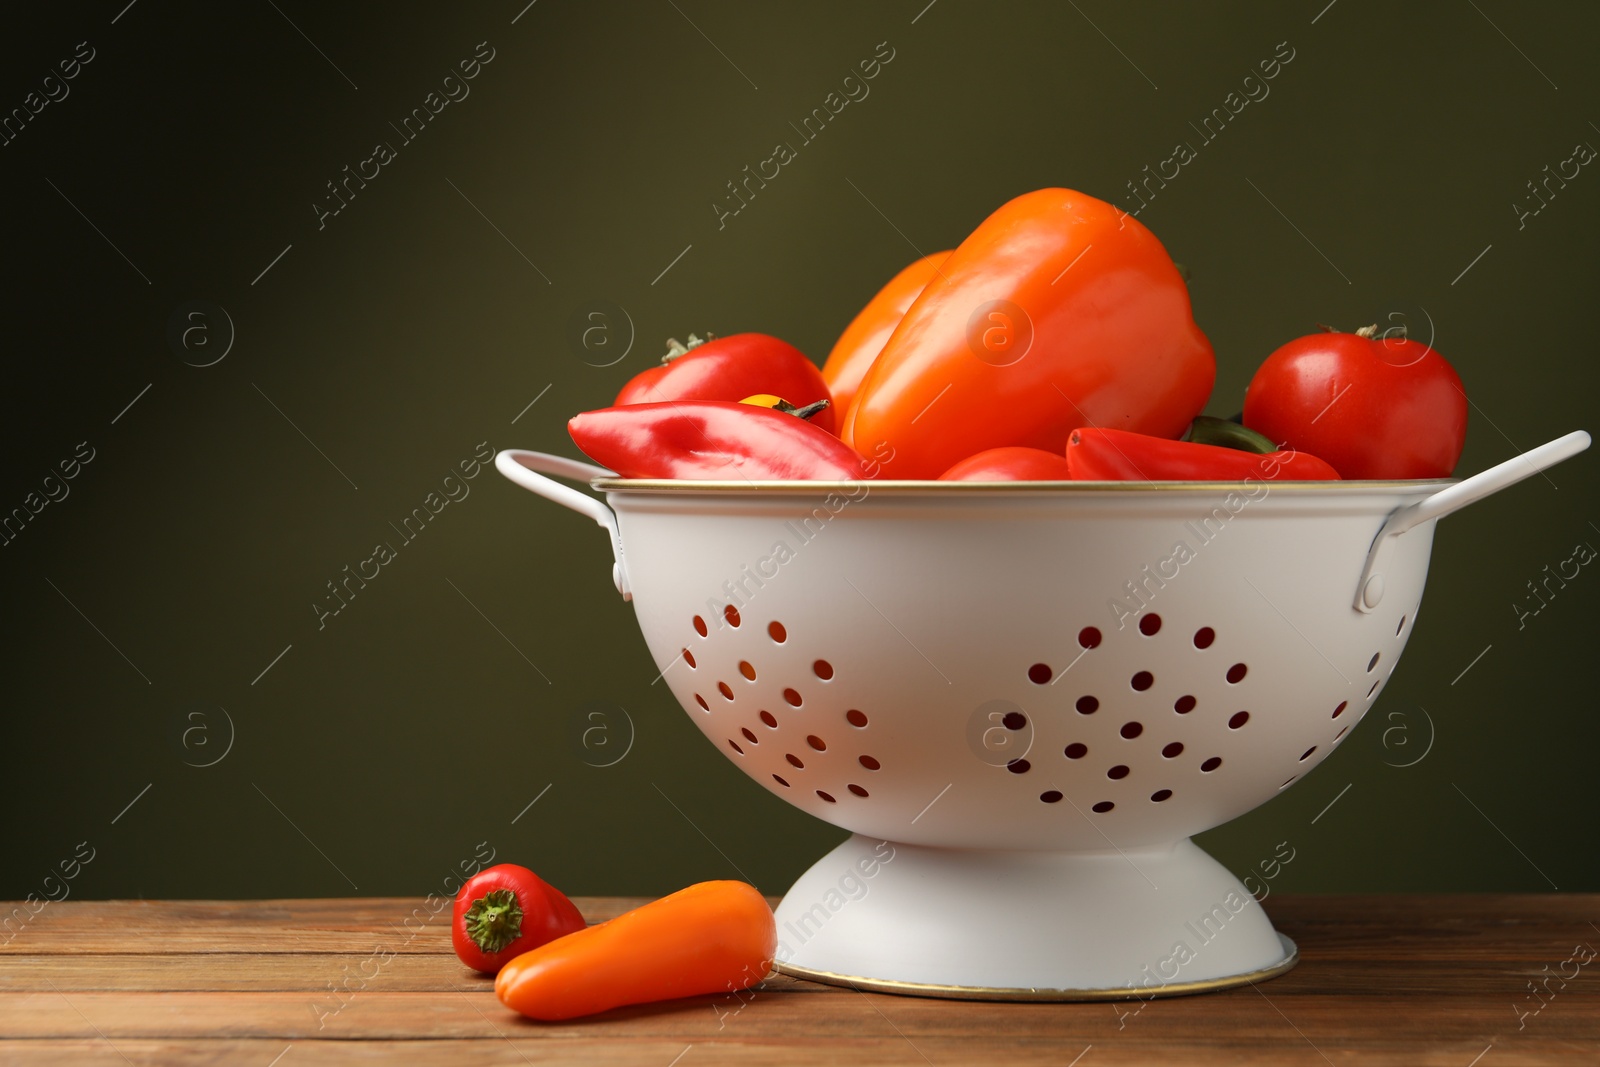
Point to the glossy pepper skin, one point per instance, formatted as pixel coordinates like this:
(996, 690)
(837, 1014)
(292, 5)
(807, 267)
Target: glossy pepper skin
(1010, 464)
(505, 910)
(1100, 455)
(1373, 406)
(713, 937)
(732, 368)
(712, 440)
(1058, 311)
(864, 338)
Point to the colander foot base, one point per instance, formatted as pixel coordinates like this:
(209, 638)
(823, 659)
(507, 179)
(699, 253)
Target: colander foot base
(1291, 956)
(970, 924)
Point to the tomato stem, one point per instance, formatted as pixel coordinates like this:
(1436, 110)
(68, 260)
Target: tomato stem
(676, 348)
(1368, 332)
(814, 408)
(494, 920)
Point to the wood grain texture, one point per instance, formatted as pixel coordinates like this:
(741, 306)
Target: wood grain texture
(1416, 980)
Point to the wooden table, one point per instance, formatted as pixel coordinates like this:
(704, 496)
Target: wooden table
(1413, 980)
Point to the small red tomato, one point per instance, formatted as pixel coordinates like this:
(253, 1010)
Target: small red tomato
(1372, 406)
(732, 368)
(1013, 463)
(504, 911)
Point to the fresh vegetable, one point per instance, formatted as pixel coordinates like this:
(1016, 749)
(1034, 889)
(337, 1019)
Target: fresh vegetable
(505, 910)
(712, 440)
(1372, 406)
(778, 403)
(1207, 430)
(731, 368)
(1058, 311)
(1010, 464)
(714, 937)
(640, 386)
(863, 339)
(1102, 455)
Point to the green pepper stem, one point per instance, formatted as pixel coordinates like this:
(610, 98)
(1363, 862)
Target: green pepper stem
(494, 920)
(1225, 433)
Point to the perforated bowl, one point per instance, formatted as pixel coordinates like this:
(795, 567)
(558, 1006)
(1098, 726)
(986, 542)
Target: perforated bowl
(1022, 699)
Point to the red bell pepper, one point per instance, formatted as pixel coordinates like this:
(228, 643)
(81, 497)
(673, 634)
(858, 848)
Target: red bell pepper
(1058, 311)
(1012, 464)
(732, 368)
(1102, 455)
(713, 440)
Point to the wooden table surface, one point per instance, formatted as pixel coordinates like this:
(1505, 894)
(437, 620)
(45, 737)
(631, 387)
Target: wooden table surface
(1414, 980)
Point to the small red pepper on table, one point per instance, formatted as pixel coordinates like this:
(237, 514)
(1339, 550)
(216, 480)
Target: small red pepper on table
(1102, 455)
(712, 440)
(506, 910)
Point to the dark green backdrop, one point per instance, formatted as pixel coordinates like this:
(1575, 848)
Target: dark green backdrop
(374, 349)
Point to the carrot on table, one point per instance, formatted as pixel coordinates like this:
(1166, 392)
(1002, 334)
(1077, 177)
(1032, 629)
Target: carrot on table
(713, 937)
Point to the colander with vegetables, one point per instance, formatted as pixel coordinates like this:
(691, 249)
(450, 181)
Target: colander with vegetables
(1026, 624)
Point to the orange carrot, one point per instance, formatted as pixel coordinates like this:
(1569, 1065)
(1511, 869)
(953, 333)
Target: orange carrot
(713, 937)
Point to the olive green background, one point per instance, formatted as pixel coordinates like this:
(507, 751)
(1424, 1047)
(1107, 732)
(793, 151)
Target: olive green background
(381, 348)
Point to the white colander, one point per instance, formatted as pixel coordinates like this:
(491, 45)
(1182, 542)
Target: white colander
(1023, 698)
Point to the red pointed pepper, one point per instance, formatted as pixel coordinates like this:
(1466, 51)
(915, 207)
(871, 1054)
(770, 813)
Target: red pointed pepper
(713, 440)
(1102, 455)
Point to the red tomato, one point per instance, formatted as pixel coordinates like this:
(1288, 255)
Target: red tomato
(1010, 464)
(506, 910)
(1373, 407)
(732, 368)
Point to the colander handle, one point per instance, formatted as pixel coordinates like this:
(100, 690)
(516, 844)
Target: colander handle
(1369, 591)
(528, 469)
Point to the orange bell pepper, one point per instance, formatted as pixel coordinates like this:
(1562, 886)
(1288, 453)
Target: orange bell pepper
(1058, 311)
(863, 339)
(713, 937)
